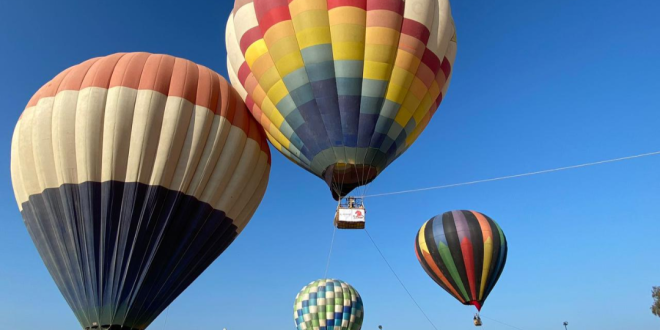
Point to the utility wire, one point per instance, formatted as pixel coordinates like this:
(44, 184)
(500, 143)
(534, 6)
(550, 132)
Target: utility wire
(517, 175)
(399, 279)
(508, 325)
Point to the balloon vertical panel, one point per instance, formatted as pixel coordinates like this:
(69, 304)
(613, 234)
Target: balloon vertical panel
(133, 173)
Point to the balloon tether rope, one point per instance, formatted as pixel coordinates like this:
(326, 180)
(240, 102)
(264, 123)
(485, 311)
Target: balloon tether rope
(399, 279)
(332, 243)
(167, 313)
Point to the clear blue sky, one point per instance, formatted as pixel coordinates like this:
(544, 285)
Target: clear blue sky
(537, 84)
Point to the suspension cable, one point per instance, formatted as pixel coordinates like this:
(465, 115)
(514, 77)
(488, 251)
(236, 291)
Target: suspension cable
(516, 175)
(332, 243)
(399, 279)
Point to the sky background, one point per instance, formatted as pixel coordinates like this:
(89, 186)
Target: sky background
(537, 85)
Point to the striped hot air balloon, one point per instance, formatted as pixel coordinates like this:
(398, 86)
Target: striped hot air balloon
(464, 252)
(328, 304)
(133, 173)
(342, 87)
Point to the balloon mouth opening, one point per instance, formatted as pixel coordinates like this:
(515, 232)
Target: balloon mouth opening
(476, 304)
(110, 327)
(343, 178)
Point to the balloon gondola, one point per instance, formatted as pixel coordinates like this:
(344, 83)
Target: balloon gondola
(351, 214)
(477, 320)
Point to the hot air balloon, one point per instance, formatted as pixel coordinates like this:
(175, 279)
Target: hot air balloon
(328, 304)
(342, 87)
(464, 252)
(133, 173)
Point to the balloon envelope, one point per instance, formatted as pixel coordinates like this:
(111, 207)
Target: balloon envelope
(328, 304)
(464, 252)
(133, 173)
(342, 87)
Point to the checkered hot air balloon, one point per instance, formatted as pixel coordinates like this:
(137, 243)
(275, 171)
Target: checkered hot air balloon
(464, 252)
(342, 87)
(328, 305)
(133, 173)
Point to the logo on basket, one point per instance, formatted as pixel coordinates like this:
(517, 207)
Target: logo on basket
(358, 214)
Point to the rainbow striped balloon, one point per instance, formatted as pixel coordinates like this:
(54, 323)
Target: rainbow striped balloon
(342, 87)
(464, 252)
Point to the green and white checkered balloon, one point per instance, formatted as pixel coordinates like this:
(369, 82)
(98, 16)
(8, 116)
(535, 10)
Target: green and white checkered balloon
(328, 304)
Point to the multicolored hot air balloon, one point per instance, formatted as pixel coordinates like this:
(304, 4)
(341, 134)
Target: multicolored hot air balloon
(328, 305)
(342, 87)
(464, 252)
(133, 173)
